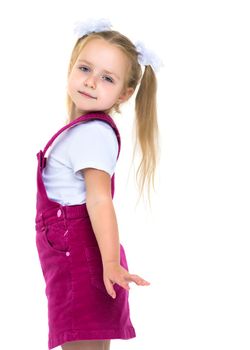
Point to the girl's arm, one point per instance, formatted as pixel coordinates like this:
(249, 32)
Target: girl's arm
(102, 214)
(103, 220)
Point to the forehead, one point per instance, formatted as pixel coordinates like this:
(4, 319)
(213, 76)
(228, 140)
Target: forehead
(104, 55)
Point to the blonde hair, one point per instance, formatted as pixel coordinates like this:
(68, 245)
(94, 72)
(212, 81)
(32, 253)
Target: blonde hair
(146, 126)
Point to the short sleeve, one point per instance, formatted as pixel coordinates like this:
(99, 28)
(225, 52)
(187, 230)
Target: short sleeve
(93, 144)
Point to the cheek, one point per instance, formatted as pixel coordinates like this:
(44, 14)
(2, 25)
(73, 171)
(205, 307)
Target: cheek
(111, 90)
(73, 79)
(69, 88)
(71, 85)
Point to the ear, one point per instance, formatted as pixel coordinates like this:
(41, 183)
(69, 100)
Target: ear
(126, 95)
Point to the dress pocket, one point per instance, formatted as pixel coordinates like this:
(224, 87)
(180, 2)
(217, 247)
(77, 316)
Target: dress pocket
(95, 267)
(94, 263)
(56, 237)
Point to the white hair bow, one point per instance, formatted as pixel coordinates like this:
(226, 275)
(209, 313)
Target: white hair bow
(146, 57)
(91, 25)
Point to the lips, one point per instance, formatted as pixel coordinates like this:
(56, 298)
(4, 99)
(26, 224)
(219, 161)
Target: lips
(85, 94)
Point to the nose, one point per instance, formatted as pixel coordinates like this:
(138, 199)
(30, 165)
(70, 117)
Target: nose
(90, 82)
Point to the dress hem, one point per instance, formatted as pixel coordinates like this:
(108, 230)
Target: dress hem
(73, 335)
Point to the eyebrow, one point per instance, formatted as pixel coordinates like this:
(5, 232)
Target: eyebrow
(106, 71)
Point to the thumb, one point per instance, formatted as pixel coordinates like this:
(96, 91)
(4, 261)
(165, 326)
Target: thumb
(110, 289)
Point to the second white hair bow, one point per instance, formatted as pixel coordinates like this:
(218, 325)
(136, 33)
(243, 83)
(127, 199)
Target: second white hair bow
(146, 57)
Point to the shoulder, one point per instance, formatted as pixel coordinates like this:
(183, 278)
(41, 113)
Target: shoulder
(93, 131)
(93, 126)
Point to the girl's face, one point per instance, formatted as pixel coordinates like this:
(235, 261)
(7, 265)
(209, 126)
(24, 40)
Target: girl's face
(100, 71)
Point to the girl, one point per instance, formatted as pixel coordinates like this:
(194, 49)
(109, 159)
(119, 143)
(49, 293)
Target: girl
(83, 263)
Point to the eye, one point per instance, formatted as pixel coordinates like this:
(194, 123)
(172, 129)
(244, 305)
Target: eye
(109, 79)
(83, 68)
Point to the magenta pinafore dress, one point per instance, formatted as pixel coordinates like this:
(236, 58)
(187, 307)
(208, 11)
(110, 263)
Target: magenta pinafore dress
(79, 307)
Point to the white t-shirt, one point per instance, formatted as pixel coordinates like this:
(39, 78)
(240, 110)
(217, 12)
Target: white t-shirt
(91, 144)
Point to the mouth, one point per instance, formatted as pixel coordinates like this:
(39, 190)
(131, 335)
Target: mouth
(85, 94)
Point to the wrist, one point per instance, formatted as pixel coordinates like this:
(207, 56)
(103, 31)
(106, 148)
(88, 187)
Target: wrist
(111, 262)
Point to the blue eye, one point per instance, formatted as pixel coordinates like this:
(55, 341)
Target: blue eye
(109, 79)
(83, 68)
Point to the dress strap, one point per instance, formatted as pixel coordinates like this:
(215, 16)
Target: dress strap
(84, 118)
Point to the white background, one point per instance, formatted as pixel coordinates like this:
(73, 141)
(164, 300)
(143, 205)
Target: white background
(193, 245)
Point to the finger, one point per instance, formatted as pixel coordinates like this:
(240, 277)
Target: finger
(124, 284)
(137, 279)
(109, 287)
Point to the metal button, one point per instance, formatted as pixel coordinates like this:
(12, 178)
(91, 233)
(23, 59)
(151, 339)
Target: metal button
(59, 213)
(67, 253)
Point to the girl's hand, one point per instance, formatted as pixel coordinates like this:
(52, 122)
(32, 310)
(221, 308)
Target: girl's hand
(113, 272)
